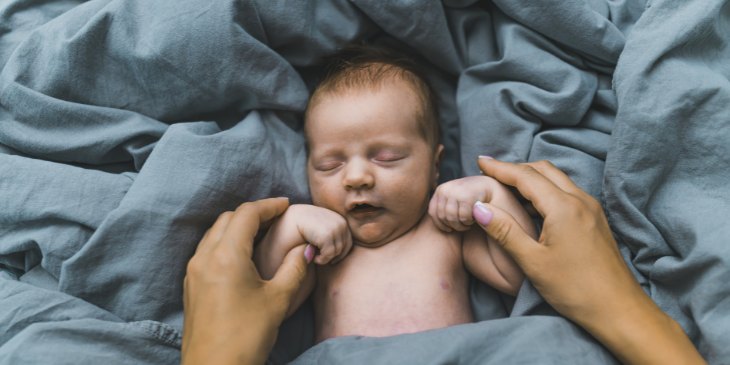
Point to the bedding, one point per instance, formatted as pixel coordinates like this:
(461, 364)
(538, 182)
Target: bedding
(127, 127)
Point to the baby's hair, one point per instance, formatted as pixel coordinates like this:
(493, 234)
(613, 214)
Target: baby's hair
(366, 66)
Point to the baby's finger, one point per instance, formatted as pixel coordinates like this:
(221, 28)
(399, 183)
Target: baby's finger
(465, 214)
(439, 224)
(452, 214)
(433, 207)
(326, 251)
(432, 203)
(345, 239)
(339, 246)
(441, 214)
(433, 211)
(441, 208)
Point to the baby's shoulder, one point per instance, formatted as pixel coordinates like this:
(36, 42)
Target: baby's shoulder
(431, 244)
(427, 229)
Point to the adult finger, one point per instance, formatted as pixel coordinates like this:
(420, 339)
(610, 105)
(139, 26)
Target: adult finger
(213, 234)
(291, 273)
(531, 184)
(503, 228)
(202, 240)
(556, 176)
(247, 218)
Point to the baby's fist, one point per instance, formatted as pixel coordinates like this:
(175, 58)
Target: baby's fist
(452, 202)
(325, 230)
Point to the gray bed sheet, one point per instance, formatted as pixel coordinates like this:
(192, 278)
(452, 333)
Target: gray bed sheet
(126, 127)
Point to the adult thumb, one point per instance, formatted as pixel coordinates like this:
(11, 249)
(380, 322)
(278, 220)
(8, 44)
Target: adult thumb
(290, 275)
(503, 228)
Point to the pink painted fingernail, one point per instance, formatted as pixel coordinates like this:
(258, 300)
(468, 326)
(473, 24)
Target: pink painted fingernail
(481, 213)
(486, 157)
(309, 253)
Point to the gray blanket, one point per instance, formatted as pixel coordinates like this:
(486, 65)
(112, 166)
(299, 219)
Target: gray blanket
(127, 126)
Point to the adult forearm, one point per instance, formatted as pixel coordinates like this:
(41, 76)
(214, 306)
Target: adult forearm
(641, 333)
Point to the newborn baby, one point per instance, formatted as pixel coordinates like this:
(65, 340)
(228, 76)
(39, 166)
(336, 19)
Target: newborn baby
(392, 259)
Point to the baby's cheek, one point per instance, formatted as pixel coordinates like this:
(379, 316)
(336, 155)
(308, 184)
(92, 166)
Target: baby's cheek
(322, 195)
(333, 203)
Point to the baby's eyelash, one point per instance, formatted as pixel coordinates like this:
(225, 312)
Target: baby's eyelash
(387, 154)
(327, 166)
(389, 157)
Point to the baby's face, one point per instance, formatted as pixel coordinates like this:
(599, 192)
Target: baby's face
(368, 161)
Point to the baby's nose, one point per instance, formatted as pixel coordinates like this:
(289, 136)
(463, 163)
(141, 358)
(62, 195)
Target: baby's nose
(358, 176)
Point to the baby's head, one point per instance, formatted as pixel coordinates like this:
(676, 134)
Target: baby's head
(372, 136)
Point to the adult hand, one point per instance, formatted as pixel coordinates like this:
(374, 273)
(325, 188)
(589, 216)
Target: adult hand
(576, 266)
(231, 314)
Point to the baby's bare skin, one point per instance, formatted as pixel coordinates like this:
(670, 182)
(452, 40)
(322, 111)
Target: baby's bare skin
(414, 283)
(373, 175)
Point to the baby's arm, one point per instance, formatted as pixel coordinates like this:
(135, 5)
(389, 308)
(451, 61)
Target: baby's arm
(451, 209)
(303, 224)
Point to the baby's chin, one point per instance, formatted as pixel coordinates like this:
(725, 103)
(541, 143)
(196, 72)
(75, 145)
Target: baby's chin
(367, 238)
(370, 238)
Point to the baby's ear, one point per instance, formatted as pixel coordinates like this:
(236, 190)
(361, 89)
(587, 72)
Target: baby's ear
(438, 154)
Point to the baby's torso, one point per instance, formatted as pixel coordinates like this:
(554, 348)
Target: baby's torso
(414, 283)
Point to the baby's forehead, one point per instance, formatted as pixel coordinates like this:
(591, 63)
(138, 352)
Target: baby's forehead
(390, 82)
(398, 105)
(394, 85)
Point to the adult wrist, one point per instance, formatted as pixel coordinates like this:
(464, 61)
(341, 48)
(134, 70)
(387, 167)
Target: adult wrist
(247, 343)
(259, 336)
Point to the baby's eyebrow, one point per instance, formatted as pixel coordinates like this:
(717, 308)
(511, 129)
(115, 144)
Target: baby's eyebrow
(397, 146)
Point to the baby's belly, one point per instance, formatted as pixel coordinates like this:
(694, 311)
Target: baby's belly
(383, 298)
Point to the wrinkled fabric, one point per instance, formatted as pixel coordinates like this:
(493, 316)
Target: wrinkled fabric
(666, 189)
(127, 127)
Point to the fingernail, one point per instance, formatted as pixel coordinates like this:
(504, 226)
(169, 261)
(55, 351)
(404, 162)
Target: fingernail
(309, 253)
(486, 157)
(482, 214)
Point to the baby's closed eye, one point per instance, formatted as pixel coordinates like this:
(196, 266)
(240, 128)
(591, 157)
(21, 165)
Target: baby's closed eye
(327, 165)
(388, 156)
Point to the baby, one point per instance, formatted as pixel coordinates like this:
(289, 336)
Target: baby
(390, 260)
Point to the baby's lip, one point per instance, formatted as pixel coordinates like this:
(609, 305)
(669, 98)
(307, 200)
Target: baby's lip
(352, 204)
(362, 208)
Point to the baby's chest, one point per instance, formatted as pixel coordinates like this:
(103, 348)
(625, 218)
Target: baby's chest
(416, 274)
(394, 291)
